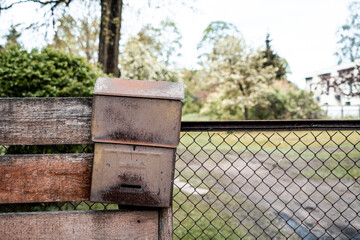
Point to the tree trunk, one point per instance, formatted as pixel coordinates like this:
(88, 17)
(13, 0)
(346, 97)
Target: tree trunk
(110, 35)
(246, 112)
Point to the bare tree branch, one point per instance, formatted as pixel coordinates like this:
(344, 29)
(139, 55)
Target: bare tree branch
(54, 3)
(12, 4)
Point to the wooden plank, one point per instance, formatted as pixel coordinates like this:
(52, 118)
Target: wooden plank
(166, 223)
(41, 121)
(80, 225)
(45, 178)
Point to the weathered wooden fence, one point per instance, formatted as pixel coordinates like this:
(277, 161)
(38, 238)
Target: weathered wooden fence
(26, 178)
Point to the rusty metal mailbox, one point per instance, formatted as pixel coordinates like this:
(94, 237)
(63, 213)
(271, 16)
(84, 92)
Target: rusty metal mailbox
(136, 128)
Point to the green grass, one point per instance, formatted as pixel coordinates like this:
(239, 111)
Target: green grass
(195, 117)
(334, 154)
(220, 215)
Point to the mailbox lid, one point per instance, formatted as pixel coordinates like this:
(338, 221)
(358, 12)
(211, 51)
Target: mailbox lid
(132, 175)
(139, 88)
(137, 121)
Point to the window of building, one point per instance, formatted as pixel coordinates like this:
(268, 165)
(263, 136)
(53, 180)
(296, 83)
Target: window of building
(347, 103)
(325, 79)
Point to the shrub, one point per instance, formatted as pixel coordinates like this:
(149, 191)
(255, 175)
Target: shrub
(291, 104)
(45, 73)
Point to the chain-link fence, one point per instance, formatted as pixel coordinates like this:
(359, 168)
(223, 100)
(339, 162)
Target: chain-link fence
(254, 181)
(267, 184)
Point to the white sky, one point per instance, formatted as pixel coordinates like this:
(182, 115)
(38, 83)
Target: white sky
(303, 31)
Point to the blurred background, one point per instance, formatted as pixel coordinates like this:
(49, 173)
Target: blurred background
(238, 59)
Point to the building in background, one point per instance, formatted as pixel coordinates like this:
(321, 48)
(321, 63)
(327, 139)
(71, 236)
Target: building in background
(337, 89)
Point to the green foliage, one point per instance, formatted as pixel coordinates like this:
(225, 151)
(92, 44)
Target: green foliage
(48, 73)
(240, 82)
(192, 103)
(164, 40)
(238, 76)
(272, 59)
(217, 31)
(138, 61)
(79, 33)
(142, 57)
(13, 36)
(348, 34)
(292, 104)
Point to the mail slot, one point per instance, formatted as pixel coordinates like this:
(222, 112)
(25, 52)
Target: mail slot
(136, 128)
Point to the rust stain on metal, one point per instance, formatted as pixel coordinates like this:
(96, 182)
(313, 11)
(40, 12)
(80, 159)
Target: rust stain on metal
(136, 114)
(126, 178)
(134, 135)
(132, 175)
(150, 122)
(127, 196)
(139, 88)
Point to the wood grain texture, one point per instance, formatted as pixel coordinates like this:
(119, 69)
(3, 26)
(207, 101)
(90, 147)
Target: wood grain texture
(60, 177)
(80, 225)
(166, 223)
(42, 121)
(45, 178)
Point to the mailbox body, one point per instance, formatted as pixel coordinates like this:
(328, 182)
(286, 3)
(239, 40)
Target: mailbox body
(136, 128)
(132, 175)
(138, 121)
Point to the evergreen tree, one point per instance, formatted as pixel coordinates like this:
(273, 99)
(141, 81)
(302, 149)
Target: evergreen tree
(273, 59)
(13, 36)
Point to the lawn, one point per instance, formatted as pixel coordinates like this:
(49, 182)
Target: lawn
(335, 153)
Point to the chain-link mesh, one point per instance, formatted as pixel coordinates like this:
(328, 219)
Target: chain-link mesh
(268, 185)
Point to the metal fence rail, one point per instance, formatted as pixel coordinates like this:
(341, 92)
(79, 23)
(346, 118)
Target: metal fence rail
(268, 180)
